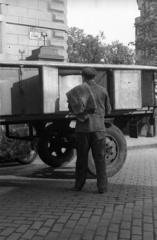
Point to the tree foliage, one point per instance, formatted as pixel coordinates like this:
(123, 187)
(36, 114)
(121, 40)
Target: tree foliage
(146, 41)
(118, 53)
(83, 48)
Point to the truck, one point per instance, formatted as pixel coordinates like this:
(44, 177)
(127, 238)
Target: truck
(33, 93)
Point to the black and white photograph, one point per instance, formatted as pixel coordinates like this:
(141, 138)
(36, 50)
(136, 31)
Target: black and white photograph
(78, 119)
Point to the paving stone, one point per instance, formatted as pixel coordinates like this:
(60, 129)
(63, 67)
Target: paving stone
(75, 237)
(14, 236)
(70, 224)
(66, 232)
(98, 212)
(98, 238)
(57, 227)
(91, 226)
(137, 222)
(114, 227)
(125, 234)
(49, 223)
(36, 225)
(126, 225)
(83, 221)
(43, 231)
(87, 214)
(148, 235)
(2, 238)
(148, 219)
(79, 229)
(63, 219)
(148, 227)
(119, 207)
(112, 236)
(39, 238)
(136, 230)
(29, 234)
(116, 218)
(7, 231)
(95, 219)
(101, 231)
(127, 217)
(109, 209)
(87, 235)
(22, 228)
(75, 216)
(137, 214)
(107, 215)
(104, 222)
(51, 236)
(136, 237)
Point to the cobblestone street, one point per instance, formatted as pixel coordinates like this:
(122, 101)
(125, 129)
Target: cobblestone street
(48, 209)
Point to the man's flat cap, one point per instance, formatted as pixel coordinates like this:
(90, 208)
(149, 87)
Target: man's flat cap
(89, 72)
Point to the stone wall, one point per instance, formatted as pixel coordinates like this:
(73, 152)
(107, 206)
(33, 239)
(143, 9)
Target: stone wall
(24, 23)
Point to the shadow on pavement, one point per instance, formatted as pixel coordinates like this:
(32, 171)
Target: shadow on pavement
(37, 171)
(117, 193)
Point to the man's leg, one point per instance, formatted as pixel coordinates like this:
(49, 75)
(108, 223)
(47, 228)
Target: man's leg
(82, 149)
(98, 151)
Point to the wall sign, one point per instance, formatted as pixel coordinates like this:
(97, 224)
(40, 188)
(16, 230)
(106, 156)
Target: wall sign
(36, 35)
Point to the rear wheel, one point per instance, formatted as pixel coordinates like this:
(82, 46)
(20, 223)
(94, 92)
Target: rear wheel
(54, 147)
(116, 152)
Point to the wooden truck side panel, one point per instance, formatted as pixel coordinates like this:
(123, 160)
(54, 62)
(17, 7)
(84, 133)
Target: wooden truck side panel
(40, 88)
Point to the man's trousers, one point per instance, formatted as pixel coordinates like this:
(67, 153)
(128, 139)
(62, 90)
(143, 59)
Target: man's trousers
(95, 141)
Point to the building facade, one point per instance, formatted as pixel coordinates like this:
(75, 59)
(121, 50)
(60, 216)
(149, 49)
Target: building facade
(28, 25)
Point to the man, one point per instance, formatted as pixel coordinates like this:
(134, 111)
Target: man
(90, 134)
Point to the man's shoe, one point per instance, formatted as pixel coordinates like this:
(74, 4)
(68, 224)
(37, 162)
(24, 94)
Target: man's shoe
(102, 190)
(77, 189)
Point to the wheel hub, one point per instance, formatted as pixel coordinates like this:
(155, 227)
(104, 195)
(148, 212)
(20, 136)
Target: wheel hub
(111, 150)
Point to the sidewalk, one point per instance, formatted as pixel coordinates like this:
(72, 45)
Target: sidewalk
(141, 142)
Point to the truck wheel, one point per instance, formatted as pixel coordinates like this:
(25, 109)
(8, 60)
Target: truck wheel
(54, 148)
(116, 152)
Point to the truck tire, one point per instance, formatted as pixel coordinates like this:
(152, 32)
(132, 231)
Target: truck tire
(54, 149)
(116, 152)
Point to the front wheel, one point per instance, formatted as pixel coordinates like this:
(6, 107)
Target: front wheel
(116, 152)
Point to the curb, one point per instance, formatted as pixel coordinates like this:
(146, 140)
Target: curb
(142, 146)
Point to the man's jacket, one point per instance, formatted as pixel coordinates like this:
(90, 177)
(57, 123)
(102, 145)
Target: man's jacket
(95, 121)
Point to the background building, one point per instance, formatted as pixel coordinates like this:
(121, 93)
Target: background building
(26, 25)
